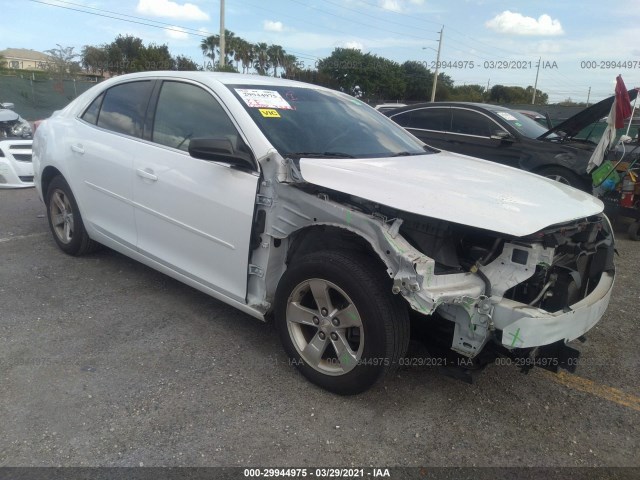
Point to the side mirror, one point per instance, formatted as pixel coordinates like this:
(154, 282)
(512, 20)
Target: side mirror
(219, 150)
(502, 136)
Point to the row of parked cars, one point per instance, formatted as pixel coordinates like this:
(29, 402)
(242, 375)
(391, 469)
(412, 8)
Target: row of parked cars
(298, 203)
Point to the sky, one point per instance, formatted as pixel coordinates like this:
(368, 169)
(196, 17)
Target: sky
(582, 45)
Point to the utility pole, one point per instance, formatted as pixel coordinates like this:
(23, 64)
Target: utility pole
(435, 78)
(535, 87)
(223, 56)
(588, 96)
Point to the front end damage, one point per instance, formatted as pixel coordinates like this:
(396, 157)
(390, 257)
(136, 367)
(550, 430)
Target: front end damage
(549, 287)
(512, 293)
(16, 169)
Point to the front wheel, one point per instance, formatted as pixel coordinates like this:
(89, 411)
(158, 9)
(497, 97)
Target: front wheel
(338, 321)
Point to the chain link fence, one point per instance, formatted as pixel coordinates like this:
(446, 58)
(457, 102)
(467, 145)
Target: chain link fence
(36, 98)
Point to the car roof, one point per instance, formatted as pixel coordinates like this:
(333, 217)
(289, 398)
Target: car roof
(216, 77)
(477, 106)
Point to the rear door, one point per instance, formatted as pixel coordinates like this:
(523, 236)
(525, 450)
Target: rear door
(429, 124)
(102, 145)
(194, 216)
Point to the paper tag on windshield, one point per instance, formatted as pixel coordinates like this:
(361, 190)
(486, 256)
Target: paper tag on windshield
(263, 99)
(507, 116)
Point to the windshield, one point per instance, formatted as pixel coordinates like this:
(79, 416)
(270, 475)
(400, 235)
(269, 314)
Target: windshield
(308, 122)
(525, 125)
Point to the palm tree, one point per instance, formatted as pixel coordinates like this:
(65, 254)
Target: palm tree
(276, 55)
(290, 65)
(209, 46)
(261, 59)
(230, 45)
(244, 53)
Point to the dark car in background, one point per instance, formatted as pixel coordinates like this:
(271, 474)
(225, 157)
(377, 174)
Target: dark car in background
(506, 136)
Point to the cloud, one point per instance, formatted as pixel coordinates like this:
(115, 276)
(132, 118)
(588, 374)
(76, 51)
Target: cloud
(517, 24)
(354, 45)
(271, 26)
(393, 5)
(176, 33)
(167, 8)
(397, 5)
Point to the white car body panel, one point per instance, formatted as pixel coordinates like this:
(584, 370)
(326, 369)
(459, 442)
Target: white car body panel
(456, 188)
(102, 163)
(15, 162)
(195, 216)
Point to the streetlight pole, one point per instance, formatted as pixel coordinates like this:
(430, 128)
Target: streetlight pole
(435, 78)
(223, 56)
(535, 86)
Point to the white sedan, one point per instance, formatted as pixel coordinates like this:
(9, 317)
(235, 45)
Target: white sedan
(290, 200)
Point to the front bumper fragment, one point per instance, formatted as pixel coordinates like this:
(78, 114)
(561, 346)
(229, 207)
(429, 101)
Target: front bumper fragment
(526, 327)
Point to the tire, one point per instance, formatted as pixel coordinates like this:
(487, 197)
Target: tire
(633, 231)
(65, 220)
(567, 177)
(363, 332)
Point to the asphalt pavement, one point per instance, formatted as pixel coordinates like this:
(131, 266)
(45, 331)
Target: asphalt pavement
(106, 362)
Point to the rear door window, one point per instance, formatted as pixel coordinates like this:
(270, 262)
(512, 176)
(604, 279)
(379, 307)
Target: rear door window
(124, 108)
(436, 119)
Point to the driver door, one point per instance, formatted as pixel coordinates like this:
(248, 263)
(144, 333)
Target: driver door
(194, 216)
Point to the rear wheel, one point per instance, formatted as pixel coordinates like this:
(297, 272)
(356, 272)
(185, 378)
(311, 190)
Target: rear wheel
(566, 176)
(634, 231)
(65, 220)
(338, 321)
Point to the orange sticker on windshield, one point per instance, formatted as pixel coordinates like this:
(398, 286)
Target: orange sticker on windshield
(269, 112)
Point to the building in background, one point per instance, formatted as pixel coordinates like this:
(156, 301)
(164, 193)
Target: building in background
(25, 59)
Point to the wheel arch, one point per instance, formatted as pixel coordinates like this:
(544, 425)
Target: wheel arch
(48, 174)
(330, 237)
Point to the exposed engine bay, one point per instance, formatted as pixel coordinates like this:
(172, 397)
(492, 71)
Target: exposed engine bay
(13, 125)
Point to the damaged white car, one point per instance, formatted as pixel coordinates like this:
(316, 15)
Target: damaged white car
(294, 201)
(16, 169)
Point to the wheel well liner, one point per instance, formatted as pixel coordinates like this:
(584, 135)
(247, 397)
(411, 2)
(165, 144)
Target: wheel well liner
(48, 175)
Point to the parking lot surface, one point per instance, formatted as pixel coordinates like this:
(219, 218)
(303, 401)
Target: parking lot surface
(105, 362)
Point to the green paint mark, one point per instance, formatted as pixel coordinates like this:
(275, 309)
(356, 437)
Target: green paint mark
(345, 359)
(348, 216)
(392, 242)
(353, 316)
(515, 337)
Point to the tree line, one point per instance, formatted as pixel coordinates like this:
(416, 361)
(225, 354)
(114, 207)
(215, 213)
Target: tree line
(367, 76)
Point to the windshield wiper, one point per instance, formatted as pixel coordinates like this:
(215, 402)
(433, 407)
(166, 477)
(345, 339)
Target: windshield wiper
(319, 155)
(407, 154)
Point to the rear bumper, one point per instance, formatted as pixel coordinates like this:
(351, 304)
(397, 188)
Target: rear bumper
(526, 327)
(16, 168)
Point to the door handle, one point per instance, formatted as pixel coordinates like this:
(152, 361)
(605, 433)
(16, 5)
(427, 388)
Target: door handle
(78, 148)
(147, 174)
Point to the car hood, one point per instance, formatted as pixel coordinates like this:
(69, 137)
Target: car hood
(455, 188)
(8, 116)
(573, 125)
